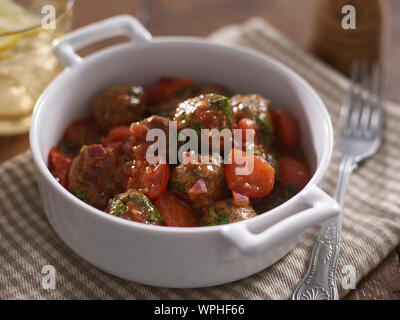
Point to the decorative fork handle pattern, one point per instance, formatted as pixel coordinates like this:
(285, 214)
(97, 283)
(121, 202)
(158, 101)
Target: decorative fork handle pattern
(319, 281)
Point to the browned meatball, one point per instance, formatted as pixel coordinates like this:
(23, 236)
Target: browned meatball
(135, 146)
(135, 206)
(91, 176)
(257, 108)
(204, 184)
(212, 88)
(118, 106)
(249, 106)
(204, 112)
(224, 212)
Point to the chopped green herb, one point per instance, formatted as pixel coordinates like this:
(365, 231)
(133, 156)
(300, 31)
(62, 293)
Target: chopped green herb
(291, 191)
(84, 147)
(223, 103)
(81, 194)
(271, 159)
(265, 127)
(67, 144)
(216, 218)
(229, 202)
(109, 180)
(153, 214)
(182, 92)
(167, 111)
(118, 206)
(178, 187)
(196, 127)
(287, 194)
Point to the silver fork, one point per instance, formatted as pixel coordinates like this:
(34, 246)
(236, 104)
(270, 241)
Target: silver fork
(359, 137)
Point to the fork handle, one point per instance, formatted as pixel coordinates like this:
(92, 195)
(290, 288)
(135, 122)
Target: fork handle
(319, 282)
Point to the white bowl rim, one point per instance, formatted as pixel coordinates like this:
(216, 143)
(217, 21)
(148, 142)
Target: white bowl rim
(42, 166)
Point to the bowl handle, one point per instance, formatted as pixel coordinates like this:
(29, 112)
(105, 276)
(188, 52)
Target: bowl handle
(322, 207)
(115, 26)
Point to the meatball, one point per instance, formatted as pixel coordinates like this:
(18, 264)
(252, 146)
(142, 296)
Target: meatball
(204, 112)
(224, 212)
(257, 108)
(203, 183)
(212, 88)
(118, 106)
(91, 177)
(249, 106)
(135, 206)
(135, 147)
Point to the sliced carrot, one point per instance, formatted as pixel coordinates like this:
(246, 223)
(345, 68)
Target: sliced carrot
(254, 181)
(287, 129)
(175, 212)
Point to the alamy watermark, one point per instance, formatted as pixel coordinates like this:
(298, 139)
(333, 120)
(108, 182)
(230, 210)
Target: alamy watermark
(49, 277)
(349, 20)
(185, 146)
(49, 21)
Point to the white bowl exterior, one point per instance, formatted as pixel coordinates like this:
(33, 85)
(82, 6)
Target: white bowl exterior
(160, 256)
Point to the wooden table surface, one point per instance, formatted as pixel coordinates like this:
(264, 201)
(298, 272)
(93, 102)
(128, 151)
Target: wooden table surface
(199, 18)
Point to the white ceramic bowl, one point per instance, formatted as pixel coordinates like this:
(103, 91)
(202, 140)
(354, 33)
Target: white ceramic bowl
(166, 256)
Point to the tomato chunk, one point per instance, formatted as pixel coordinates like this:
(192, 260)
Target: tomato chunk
(166, 89)
(175, 212)
(116, 137)
(152, 180)
(59, 165)
(292, 171)
(117, 134)
(287, 129)
(255, 183)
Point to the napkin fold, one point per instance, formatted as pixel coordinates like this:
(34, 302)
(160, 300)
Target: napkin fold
(30, 251)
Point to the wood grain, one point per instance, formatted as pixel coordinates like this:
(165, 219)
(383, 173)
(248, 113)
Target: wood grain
(199, 18)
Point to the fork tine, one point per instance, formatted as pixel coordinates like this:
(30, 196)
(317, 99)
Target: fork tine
(367, 110)
(376, 116)
(359, 104)
(345, 113)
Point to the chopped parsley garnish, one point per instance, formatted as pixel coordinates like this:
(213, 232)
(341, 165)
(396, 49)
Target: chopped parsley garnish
(167, 111)
(223, 103)
(216, 217)
(282, 197)
(68, 144)
(179, 187)
(153, 214)
(265, 127)
(182, 92)
(271, 159)
(118, 206)
(81, 194)
(196, 127)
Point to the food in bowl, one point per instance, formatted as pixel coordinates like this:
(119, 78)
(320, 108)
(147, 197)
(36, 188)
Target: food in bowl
(103, 159)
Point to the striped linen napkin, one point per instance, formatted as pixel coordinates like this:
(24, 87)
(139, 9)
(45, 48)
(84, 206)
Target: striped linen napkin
(371, 223)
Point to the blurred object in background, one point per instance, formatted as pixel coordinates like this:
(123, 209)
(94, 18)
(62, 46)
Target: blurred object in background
(27, 64)
(339, 47)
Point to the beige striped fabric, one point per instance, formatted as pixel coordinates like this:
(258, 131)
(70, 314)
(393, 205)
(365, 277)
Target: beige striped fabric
(371, 224)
